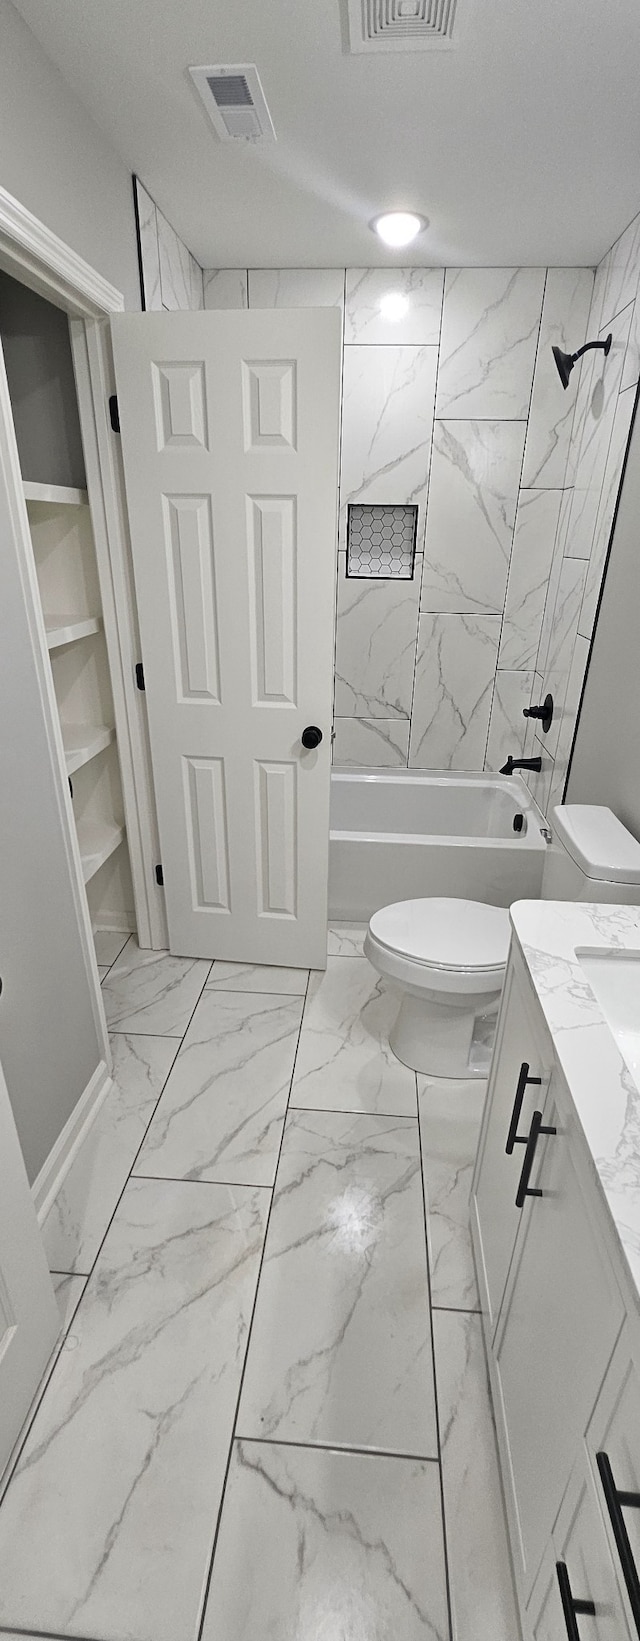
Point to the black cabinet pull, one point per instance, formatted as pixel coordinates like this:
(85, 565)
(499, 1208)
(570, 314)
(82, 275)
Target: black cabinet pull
(615, 1500)
(570, 1603)
(513, 1137)
(524, 1189)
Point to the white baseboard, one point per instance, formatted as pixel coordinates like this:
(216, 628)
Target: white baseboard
(54, 1171)
(122, 922)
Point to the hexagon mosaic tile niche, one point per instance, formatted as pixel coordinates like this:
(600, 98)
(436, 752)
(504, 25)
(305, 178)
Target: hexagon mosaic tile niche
(381, 541)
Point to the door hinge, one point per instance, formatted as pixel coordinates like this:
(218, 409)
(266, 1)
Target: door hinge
(114, 414)
(140, 675)
(160, 877)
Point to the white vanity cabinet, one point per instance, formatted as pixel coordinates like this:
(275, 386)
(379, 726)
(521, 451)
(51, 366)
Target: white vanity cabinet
(554, 1303)
(517, 1086)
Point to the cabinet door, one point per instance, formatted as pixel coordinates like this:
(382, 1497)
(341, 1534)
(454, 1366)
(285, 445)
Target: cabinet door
(579, 1547)
(560, 1319)
(614, 1434)
(519, 1057)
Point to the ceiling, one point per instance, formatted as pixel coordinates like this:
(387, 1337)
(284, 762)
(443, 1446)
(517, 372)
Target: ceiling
(520, 144)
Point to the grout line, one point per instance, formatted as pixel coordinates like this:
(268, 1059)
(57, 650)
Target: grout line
(255, 991)
(209, 1574)
(341, 1448)
(180, 1179)
(350, 1111)
(435, 1379)
(458, 1310)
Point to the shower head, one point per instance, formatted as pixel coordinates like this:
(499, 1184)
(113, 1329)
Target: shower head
(566, 361)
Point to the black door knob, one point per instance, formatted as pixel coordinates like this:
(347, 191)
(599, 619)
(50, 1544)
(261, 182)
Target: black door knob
(311, 737)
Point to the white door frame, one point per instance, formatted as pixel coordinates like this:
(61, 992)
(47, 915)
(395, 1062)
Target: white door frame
(35, 256)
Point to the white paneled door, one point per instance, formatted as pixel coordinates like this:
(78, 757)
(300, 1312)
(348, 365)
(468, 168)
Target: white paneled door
(29, 1319)
(230, 443)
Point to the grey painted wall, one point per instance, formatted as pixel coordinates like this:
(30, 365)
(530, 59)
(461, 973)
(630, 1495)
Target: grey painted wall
(57, 162)
(606, 758)
(39, 366)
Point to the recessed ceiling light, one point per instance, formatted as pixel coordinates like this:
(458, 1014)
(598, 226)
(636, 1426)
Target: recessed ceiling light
(398, 228)
(394, 305)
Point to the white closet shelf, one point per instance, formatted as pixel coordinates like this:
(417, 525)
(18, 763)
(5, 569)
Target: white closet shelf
(82, 742)
(97, 840)
(63, 495)
(66, 629)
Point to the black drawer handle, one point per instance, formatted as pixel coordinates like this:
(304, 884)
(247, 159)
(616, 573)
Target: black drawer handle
(615, 1500)
(570, 1603)
(513, 1137)
(524, 1189)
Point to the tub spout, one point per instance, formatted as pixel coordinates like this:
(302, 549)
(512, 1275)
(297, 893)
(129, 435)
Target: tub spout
(521, 763)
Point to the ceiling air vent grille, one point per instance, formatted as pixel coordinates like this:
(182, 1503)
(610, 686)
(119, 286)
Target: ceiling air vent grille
(401, 25)
(235, 102)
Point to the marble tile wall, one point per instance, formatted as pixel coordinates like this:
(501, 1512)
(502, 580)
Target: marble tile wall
(171, 276)
(595, 453)
(451, 400)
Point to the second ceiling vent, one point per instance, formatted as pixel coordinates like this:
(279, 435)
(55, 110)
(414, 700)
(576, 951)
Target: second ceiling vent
(401, 25)
(235, 102)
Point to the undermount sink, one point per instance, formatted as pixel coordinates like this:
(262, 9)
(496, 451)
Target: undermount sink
(614, 978)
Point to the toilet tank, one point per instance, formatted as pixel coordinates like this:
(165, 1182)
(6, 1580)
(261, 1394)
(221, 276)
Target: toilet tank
(592, 856)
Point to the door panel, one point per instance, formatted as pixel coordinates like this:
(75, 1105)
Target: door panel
(29, 1320)
(230, 444)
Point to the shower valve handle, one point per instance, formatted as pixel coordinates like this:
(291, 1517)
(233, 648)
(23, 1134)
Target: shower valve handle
(544, 712)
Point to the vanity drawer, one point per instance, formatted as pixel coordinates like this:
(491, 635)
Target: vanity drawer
(578, 1569)
(613, 1446)
(558, 1327)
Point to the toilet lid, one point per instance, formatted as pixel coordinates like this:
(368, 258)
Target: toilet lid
(447, 934)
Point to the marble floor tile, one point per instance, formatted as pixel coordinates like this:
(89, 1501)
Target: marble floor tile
(480, 1580)
(344, 1061)
(257, 977)
(345, 939)
(109, 944)
(107, 1525)
(340, 1352)
(152, 991)
(450, 1116)
(68, 1291)
(222, 1111)
(351, 1549)
(77, 1221)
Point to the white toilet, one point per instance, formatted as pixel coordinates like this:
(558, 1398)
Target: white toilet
(447, 958)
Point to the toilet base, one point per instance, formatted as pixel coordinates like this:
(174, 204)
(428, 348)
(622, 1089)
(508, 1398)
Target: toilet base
(432, 1037)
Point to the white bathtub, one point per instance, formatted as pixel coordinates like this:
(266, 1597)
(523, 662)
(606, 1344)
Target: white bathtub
(398, 834)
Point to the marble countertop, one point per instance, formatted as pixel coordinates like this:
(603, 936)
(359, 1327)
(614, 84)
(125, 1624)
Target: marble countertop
(605, 1095)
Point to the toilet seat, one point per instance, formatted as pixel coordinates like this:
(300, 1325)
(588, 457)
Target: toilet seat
(444, 945)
